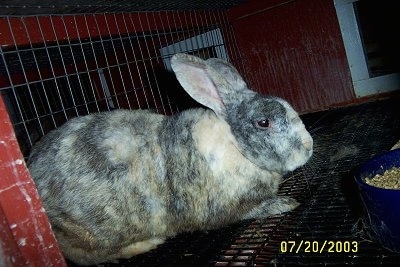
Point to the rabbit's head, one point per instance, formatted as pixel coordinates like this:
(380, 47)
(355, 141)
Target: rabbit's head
(268, 131)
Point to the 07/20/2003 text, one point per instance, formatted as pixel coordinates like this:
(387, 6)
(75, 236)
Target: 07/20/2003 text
(306, 246)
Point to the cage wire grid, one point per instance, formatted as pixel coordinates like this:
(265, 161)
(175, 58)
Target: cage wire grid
(55, 67)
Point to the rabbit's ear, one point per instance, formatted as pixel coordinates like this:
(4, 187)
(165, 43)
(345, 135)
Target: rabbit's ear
(229, 73)
(198, 81)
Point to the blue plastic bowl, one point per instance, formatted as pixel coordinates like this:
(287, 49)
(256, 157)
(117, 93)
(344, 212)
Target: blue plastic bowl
(381, 207)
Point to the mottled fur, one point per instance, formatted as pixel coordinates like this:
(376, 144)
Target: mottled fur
(116, 184)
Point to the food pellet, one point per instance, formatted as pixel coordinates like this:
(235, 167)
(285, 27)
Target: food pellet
(390, 179)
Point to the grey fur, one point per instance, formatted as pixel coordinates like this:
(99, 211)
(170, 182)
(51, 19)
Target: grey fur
(116, 184)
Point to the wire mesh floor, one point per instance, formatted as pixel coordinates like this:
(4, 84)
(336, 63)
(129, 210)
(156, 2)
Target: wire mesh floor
(344, 138)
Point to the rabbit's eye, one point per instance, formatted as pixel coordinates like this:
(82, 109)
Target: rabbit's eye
(264, 123)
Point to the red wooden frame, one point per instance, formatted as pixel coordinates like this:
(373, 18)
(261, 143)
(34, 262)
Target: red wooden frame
(26, 235)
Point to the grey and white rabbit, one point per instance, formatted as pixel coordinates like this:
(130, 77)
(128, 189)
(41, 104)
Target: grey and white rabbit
(116, 184)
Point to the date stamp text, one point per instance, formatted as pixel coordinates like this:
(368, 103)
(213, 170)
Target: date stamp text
(307, 246)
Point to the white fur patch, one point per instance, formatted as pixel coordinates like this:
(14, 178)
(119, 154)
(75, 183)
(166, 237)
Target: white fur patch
(118, 150)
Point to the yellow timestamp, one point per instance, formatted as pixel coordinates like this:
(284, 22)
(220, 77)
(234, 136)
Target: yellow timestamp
(306, 246)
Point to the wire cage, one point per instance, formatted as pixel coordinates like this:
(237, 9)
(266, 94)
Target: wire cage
(54, 67)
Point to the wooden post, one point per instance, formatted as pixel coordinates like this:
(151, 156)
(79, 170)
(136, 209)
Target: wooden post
(26, 238)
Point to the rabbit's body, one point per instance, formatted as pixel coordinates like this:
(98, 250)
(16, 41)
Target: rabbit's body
(116, 184)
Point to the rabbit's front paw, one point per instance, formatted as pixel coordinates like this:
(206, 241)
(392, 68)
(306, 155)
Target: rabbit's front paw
(273, 206)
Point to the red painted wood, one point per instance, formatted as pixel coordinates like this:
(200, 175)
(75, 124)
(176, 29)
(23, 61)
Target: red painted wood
(29, 235)
(293, 49)
(9, 252)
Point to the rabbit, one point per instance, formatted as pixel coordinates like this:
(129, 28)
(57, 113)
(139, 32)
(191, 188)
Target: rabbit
(119, 183)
